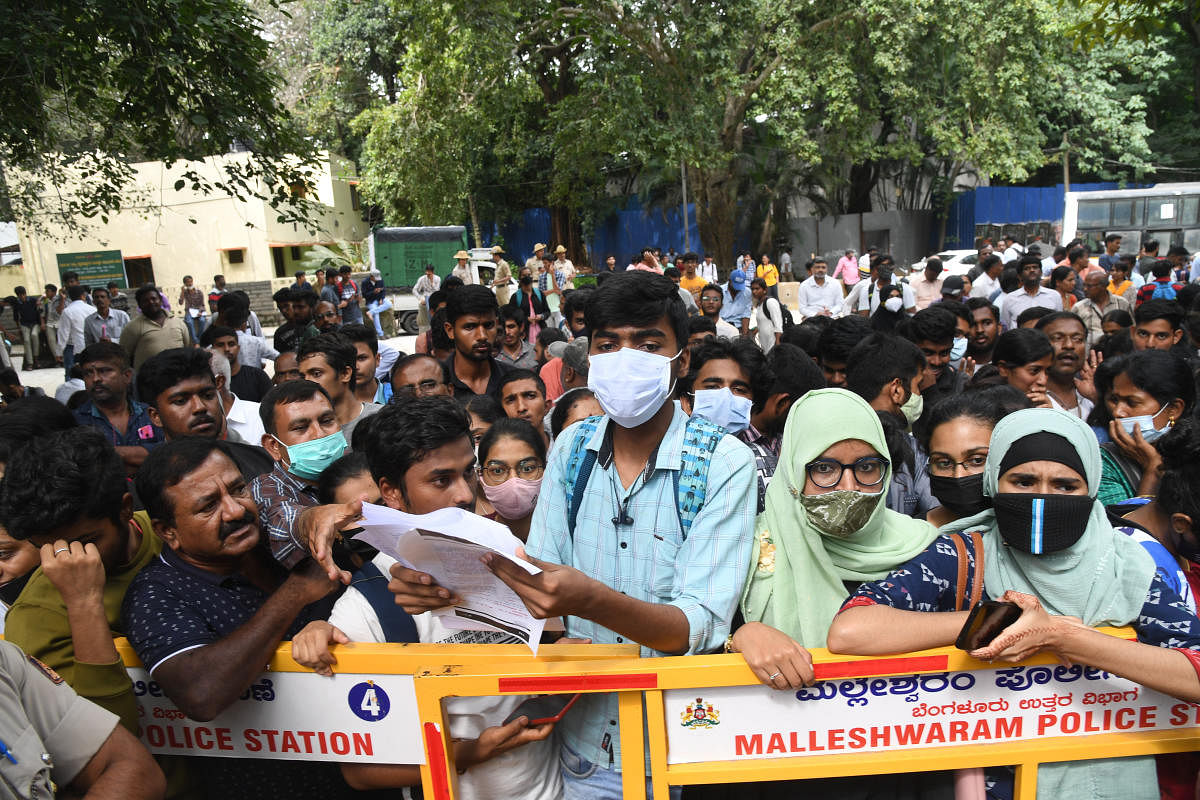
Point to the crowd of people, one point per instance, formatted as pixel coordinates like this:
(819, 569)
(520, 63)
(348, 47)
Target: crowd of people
(683, 482)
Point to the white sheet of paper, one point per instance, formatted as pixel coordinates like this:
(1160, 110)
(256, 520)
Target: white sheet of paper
(449, 544)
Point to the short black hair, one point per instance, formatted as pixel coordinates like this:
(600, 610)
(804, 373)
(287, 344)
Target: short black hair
(402, 434)
(878, 360)
(281, 395)
(1033, 313)
(973, 304)
(76, 292)
(700, 324)
(304, 296)
(166, 466)
(1118, 315)
(984, 406)
(514, 313)
(1151, 310)
(1150, 245)
(934, 324)
(471, 299)
(351, 465)
(1113, 237)
(298, 273)
(522, 375)
(70, 475)
(31, 420)
(1028, 260)
(357, 332)
(712, 287)
(483, 406)
(284, 295)
(1020, 346)
(548, 336)
(169, 368)
(793, 372)
(1161, 268)
(563, 406)
(514, 428)
(840, 337)
(672, 272)
(214, 332)
(103, 351)
(637, 298)
(743, 352)
(338, 350)
(1058, 316)
(1177, 250)
(142, 291)
(576, 300)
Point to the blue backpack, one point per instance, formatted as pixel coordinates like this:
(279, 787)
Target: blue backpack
(700, 439)
(1164, 291)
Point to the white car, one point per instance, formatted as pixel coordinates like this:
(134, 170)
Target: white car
(954, 262)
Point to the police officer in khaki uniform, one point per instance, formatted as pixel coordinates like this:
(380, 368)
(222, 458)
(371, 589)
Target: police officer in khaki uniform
(51, 738)
(534, 262)
(502, 280)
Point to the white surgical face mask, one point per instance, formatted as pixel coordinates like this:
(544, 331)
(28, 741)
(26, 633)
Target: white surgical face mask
(913, 408)
(893, 304)
(631, 385)
(1145, 423)
(723, 407)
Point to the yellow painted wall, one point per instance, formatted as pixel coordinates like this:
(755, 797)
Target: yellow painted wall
(158, 222)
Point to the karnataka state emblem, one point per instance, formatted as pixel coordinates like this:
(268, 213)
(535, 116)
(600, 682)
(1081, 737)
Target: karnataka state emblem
(699, 715)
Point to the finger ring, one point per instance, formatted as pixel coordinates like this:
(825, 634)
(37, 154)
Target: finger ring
(62, 550)
(773, 677)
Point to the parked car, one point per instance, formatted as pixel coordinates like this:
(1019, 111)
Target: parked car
(954, 262)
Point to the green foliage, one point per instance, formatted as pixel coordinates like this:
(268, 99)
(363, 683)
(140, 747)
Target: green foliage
(92, 84)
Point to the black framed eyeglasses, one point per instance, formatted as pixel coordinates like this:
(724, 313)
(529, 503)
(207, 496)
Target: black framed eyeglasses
(944, 465)
(827, 473)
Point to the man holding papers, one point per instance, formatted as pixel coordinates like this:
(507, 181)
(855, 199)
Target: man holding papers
(421, 455)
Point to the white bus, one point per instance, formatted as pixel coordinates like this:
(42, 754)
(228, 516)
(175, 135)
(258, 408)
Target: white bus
(1168, 212)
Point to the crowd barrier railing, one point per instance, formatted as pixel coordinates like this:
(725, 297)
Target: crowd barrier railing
(707, 719)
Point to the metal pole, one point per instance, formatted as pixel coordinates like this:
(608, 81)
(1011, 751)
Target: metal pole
(687, 237)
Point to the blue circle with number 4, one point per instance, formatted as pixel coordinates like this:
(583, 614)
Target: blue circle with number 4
(369, 701)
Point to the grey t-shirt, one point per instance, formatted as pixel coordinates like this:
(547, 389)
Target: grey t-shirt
(348, 429)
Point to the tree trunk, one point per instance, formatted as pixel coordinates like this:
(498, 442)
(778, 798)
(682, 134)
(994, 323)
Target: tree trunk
(476, 233)
(716, 213)
(565, 229)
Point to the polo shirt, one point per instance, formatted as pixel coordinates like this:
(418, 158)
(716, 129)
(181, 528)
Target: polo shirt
(144, 338)
(173, 607)
(140, 433)
(524, 360)
(37, 623)
(499, 370)
(280, 497)
(1017, 301)
(648, 559)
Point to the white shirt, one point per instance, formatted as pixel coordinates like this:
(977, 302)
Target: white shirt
(1083, 406)
(708, 271)
(855, 296)
(768, 316)
(253, 349)
(727, 331)
(984, 285)
(869, 300)
(425, 286)
(815, 298)
(70, 324)
(244, 419)
(529, 771)
(463, 273)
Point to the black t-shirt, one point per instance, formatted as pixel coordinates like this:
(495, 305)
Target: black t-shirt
(250, 384)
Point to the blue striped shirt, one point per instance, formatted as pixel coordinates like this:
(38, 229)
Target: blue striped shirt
(649, 559)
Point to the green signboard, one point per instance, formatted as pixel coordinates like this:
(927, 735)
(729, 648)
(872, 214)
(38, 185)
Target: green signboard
(95, 268)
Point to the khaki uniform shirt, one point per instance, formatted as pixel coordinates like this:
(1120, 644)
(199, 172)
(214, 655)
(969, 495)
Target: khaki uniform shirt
(143, 338)
(50, 732)
(501, 279)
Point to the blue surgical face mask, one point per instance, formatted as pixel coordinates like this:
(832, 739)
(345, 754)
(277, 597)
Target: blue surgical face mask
(310, 459)
(723, 407)
(1145, 423)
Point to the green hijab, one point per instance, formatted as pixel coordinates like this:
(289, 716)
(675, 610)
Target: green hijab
(796, 582)
(1103, 578)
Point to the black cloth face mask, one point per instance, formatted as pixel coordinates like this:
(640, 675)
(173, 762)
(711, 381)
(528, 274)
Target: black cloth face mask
(963, 496)
(11, 590)
(1041, 523)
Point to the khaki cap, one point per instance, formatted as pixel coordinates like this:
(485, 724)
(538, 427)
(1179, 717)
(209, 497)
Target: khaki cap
(462, 254)
(497, 251)
(539, 246)
(560, 249)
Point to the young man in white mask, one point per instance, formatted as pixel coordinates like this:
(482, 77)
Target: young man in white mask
(612, 489)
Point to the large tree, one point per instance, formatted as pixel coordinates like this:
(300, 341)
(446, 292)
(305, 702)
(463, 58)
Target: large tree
(88, 86)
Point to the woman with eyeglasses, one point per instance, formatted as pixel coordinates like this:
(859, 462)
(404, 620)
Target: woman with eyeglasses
(825, 530)
(960, 428)
(512, 458)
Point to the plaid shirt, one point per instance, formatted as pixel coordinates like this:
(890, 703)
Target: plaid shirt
(648, 559)
(766, 459)
(280, 498)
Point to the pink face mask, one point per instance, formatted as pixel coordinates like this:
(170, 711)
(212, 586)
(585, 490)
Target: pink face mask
(513, 499)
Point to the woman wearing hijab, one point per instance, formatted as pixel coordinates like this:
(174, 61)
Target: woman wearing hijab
(1048, 547)
(824, 531)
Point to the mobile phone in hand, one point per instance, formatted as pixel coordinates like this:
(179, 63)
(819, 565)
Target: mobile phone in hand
(985, 623)
(543, 708)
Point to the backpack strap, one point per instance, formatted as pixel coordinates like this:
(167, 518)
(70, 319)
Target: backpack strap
(397, 624)
(580, 462)
(700, 439)
(961, 595)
